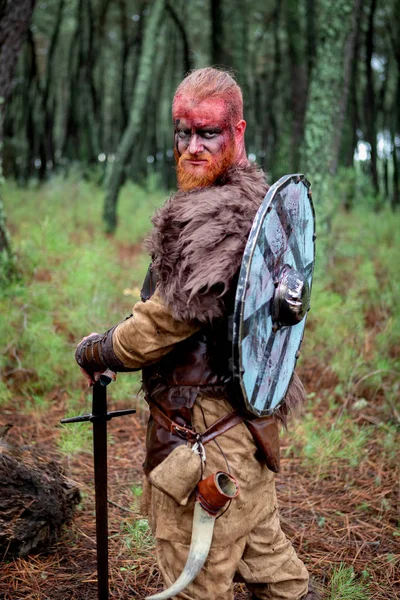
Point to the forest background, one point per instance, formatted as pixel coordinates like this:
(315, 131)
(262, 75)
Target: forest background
(86, 147)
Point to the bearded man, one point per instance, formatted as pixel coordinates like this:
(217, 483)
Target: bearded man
(179, 336)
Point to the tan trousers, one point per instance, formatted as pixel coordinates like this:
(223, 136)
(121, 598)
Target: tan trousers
(247, 541)
(265, 560)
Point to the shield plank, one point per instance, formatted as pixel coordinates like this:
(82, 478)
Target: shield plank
(273, 294)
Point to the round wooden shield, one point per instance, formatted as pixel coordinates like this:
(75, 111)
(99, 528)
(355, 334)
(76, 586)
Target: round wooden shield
(265, 351)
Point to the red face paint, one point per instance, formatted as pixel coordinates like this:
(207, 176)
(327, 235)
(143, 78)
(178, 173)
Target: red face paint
(204, 141)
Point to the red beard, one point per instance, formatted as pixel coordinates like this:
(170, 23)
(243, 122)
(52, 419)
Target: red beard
(191, 176)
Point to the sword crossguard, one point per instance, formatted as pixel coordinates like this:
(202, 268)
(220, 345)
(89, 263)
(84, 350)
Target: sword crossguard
(92, 418)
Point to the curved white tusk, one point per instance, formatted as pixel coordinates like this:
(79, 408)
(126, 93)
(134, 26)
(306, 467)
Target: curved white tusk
(202, 532)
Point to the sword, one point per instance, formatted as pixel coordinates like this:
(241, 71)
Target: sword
(99, 417)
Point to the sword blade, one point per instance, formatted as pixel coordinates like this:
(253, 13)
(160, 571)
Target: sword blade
(99, 408)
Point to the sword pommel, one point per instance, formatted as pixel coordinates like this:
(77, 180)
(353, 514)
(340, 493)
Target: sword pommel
(107, 377)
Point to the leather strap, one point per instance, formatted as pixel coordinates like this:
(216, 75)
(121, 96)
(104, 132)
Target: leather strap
(220, 426)
(161, 419)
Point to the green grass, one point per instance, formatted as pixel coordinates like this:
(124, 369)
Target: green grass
(353, 334)
(345, 586)
(137, 535)
(71, 280)
(76, 438)
(325, 442)
(354, 324)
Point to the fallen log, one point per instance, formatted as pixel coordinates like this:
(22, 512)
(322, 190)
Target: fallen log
(36, 499)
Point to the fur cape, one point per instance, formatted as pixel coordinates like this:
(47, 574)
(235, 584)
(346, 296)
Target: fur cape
(198, 242)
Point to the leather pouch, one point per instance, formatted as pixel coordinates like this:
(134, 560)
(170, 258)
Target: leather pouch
(178, 475)
(265, 432)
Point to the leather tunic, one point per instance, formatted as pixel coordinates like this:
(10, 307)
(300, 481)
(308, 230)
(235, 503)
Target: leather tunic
(198, 365)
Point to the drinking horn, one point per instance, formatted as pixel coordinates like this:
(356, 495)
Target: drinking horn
(212, 495)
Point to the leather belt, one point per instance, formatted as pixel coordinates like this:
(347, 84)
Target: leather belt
(217, 428)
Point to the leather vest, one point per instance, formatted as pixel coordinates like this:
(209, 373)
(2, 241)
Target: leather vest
(200, 364)
(197, 365)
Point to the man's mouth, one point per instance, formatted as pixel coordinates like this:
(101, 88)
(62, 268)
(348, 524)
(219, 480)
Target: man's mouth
(196, 161)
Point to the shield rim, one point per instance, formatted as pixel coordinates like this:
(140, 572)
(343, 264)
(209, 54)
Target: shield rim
(237, 365)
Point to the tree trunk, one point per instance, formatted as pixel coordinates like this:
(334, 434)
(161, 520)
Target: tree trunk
(237, 56)
(238, 47)
(70, 143)
(14, 22)
(93, 95)
(123, 100)
(101, 68)
(298, 80)
(29, 101)
(394, 134)
(47, 105)
(311, 33)
(88, 114)
(187, 61)
(272, 109)
(84, 112)
(198, 19)
(370, 101)
(348, 70)
(393, 24)
(352, 122)
(217, 33)
(322, 111)
(138, 107)
(395, 202)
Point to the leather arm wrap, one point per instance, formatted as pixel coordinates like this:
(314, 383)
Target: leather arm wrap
(96, 353)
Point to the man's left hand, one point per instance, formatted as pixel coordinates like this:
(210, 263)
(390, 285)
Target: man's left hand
(93, 377)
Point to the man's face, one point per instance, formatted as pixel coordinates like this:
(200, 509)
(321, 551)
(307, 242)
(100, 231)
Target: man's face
(204, 141)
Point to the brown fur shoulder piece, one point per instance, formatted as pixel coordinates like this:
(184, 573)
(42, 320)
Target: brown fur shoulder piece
(198, 242)
(294, 400)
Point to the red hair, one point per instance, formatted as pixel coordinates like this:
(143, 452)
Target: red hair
(209, 82)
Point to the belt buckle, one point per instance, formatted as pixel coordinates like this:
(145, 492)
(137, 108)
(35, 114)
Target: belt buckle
(181, 432)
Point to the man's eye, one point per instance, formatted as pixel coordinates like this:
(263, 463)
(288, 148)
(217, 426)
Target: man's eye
(182, 134)
(209, 135)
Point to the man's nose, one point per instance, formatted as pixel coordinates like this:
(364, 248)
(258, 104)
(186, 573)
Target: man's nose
(195, 144)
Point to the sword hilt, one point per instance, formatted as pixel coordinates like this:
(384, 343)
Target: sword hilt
(105, 378)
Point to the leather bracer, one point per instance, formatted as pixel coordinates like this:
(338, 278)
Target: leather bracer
(96, 353)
